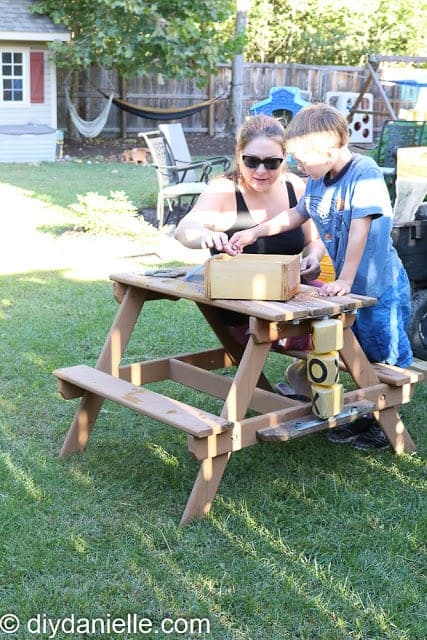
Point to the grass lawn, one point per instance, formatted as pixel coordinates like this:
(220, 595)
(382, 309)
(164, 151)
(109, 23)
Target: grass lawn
(58, 183)
(306, 540)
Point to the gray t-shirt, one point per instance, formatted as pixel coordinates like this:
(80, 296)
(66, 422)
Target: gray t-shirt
(357, 191)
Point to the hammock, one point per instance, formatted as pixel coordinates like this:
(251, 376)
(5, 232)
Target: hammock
(88, 128)
(152, 113)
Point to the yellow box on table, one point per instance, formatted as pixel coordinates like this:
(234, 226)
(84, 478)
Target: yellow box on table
(252, 277)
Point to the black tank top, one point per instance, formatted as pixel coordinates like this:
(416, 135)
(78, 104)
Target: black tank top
(285, 243)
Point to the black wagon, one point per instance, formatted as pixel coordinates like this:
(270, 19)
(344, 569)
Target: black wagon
(410, 241)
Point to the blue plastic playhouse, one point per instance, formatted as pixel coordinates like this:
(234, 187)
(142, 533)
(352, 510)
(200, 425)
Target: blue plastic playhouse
(283, 103)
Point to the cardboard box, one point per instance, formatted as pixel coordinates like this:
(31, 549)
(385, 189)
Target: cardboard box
(252, 277)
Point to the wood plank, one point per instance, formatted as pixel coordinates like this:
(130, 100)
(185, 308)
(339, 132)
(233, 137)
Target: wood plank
(121, 329)
(139, 373)
(205, 487)
(263, 331)
(373, 71)
(392, 425)
(192, 420)
(108, 361)
(305, 304)
(233, 348)
(244, 432)
(245, 380)
(158, 369)
(69, 391)
(396, 375)
(387, 373)
(218, 385)
(312, 424)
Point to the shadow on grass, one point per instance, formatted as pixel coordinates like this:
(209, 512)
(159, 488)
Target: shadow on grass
(306, 539)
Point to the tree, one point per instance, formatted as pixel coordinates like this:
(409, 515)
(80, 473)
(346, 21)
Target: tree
(242, 8)
(336, 32)
(175, 38)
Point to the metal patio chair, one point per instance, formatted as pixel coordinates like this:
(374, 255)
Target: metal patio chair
(174, 134)
(396, 134)
(176, 179)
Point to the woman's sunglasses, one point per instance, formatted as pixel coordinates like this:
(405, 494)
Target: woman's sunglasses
(253, 162)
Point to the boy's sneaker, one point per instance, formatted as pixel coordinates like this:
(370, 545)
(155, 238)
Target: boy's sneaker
(374, 439)
(349, 433)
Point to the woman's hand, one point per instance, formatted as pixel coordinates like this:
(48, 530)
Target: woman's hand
(216, 240)
(336, 288)
(310, 268)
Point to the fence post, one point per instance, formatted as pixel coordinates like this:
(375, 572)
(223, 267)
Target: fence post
(211, 113)
(123, 114)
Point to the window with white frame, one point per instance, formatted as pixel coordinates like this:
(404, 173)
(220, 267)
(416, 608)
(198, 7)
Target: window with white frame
(12, 76)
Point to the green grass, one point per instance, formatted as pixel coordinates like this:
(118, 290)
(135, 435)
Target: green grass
(59, 183)
(306, 540)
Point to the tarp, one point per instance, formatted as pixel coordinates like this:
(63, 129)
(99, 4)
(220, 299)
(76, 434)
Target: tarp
(409, 81)
(408, 77)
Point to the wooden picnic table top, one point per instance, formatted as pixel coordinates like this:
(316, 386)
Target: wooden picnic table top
(305, 304)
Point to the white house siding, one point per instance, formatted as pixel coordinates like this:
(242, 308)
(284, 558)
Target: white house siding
(28, 130)
(24, 113)
(27, 143)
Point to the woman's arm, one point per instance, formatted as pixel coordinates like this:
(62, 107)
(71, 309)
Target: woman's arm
(284, 221)
(205, 225)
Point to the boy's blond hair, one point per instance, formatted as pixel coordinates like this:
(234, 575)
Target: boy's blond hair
(319, 119)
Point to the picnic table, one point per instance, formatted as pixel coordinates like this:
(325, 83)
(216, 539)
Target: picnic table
(213, 438)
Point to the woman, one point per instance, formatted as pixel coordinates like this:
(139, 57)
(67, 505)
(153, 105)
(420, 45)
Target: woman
(256, 190)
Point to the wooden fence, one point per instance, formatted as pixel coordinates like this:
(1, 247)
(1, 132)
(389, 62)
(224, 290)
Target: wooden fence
(149, 91)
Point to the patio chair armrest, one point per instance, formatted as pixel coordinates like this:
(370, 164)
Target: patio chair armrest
(204, 165)
(184, 167)
(197, 164)
(223, 160)
(156, 165)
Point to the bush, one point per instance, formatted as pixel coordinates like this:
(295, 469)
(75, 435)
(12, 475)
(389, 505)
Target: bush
(114, 215)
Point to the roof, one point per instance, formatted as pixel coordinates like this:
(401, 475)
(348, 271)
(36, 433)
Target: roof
(18, 23)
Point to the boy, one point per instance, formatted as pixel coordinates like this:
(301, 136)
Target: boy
(347, 198)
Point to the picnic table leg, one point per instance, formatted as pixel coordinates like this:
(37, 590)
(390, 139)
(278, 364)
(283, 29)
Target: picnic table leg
(108, 361)
(232, 347)
(205, 487)
(364, 376)
(235, 407)
(392, 425)
(356, 362)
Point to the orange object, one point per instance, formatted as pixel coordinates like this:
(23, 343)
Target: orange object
(327, 271)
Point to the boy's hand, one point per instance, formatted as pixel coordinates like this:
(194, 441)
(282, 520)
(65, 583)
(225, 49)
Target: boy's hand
(241, 239)
(335, 288)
